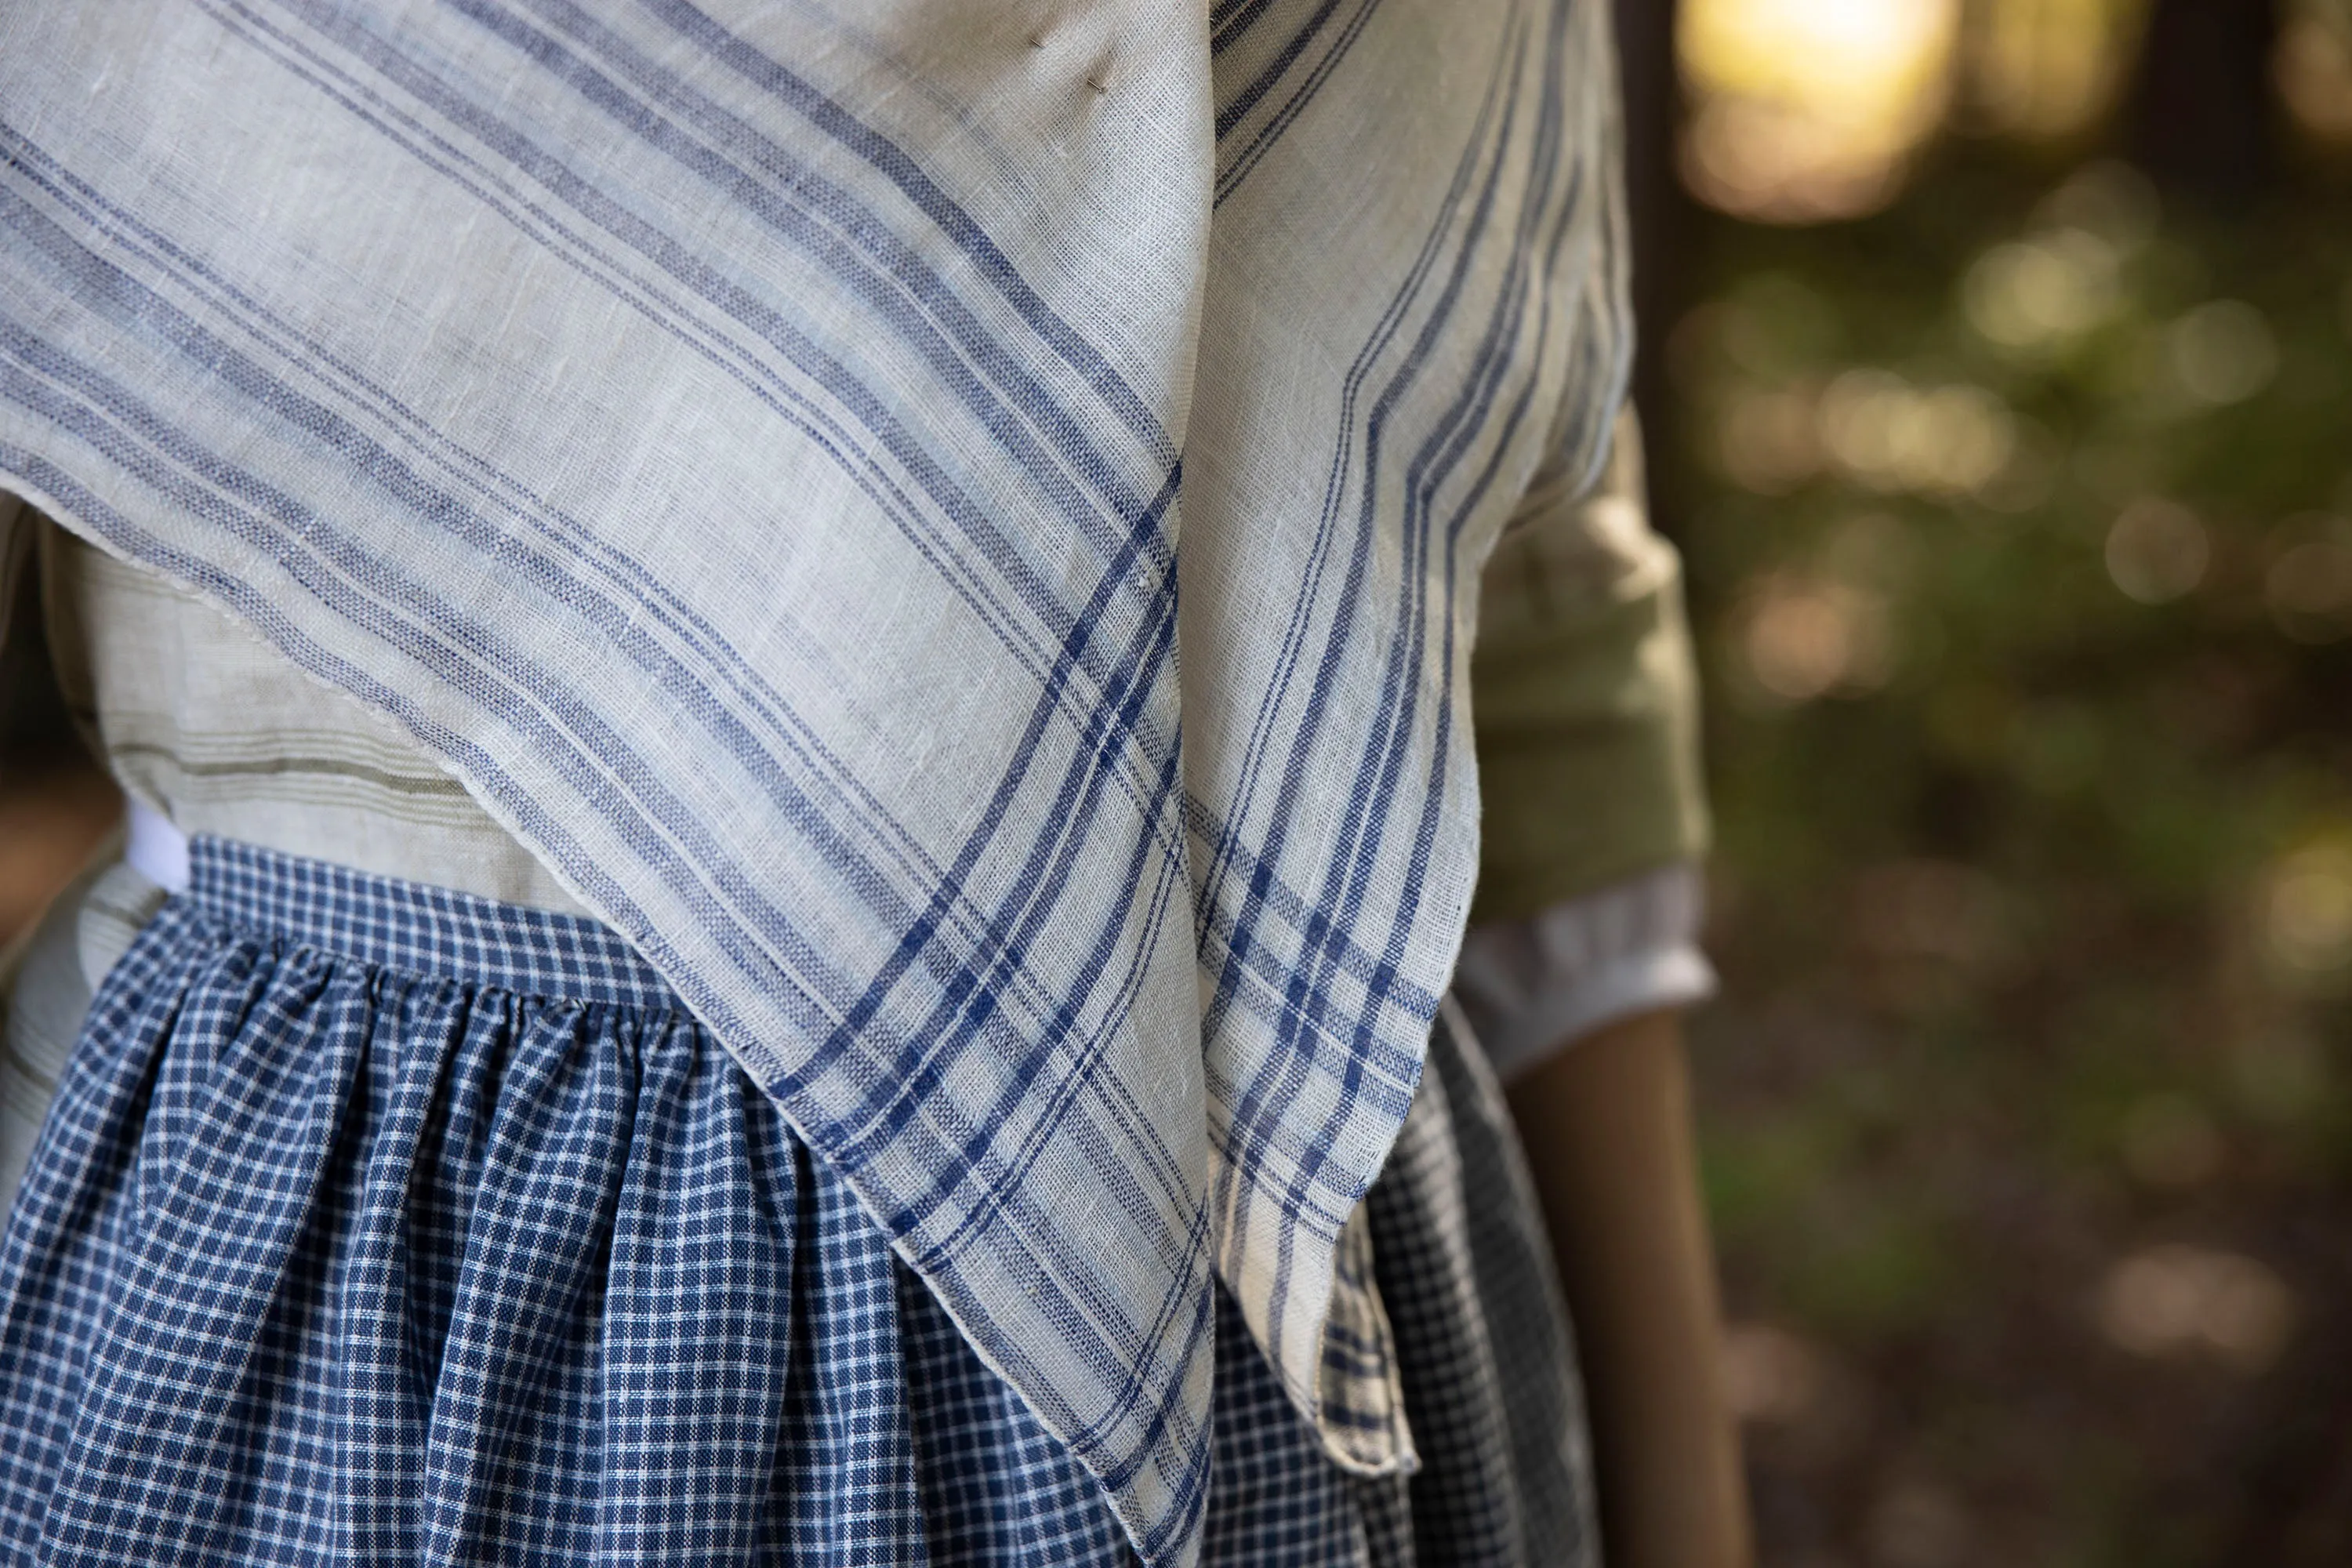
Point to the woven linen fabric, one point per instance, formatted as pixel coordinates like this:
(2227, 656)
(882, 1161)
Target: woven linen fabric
(379, 1224)
(209, 730)
(218, 732)
(743, 442)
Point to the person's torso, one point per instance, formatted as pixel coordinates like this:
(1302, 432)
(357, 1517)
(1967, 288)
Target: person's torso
(202, 721)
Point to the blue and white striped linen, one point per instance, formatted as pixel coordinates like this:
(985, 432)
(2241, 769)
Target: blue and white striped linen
(774, 454)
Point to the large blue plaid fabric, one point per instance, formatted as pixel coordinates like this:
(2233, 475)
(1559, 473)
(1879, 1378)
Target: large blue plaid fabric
(776, 455)
(376, 1224)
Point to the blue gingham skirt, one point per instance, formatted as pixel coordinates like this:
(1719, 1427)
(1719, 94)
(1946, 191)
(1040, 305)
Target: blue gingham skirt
(377, 1224)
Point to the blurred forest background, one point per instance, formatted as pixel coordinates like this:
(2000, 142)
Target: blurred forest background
(1997, 368)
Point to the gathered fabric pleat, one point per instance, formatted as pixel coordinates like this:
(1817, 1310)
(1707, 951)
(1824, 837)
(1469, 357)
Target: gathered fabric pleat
(324, 1261)
(376, 1223)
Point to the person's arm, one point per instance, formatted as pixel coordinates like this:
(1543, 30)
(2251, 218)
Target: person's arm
(1607, 1126)
(1586, 927)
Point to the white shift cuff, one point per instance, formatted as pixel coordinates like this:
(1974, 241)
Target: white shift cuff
(157, 850)
(1532, 986)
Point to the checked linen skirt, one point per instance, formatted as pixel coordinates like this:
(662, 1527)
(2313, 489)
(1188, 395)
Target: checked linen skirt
(378, 1224)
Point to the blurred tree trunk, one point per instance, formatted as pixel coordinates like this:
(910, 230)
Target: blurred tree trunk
(1661, 215)
(2201, 108)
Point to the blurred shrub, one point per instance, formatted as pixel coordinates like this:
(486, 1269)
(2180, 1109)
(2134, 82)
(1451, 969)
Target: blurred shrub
(2019, 525)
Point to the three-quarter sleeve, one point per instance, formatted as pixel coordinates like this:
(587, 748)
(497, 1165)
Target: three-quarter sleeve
(1584, 699)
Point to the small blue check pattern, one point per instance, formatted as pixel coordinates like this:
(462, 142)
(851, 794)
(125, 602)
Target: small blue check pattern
(377, 1224)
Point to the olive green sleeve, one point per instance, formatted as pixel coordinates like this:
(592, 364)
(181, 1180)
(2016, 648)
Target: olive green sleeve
(1583, 697)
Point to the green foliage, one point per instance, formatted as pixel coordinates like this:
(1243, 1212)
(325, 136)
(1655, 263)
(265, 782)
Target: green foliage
(2020, 528)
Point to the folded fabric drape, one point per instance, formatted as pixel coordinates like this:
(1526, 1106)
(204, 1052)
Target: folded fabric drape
(774, 454)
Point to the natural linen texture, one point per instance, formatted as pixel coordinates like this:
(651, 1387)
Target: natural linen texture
(764, 450)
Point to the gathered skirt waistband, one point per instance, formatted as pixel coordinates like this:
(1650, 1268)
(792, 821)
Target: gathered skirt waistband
(380, 1224)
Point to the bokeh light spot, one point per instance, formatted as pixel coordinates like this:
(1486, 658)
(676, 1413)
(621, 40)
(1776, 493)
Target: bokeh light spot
(2107, 199)
(1770, 1376)
(2156, 550)
(1801, 639)
(2179, 1301)
(2223, 351)
(2044, 68)
(1806, 110)
(2313, 67)
(1919, 1524)
(1890, 436)
(2306, 912)
(2308, 587)
(1768, 442)
(2036, 294)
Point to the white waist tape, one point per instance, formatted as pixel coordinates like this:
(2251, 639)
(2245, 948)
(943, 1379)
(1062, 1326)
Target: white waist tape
(157, 850)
